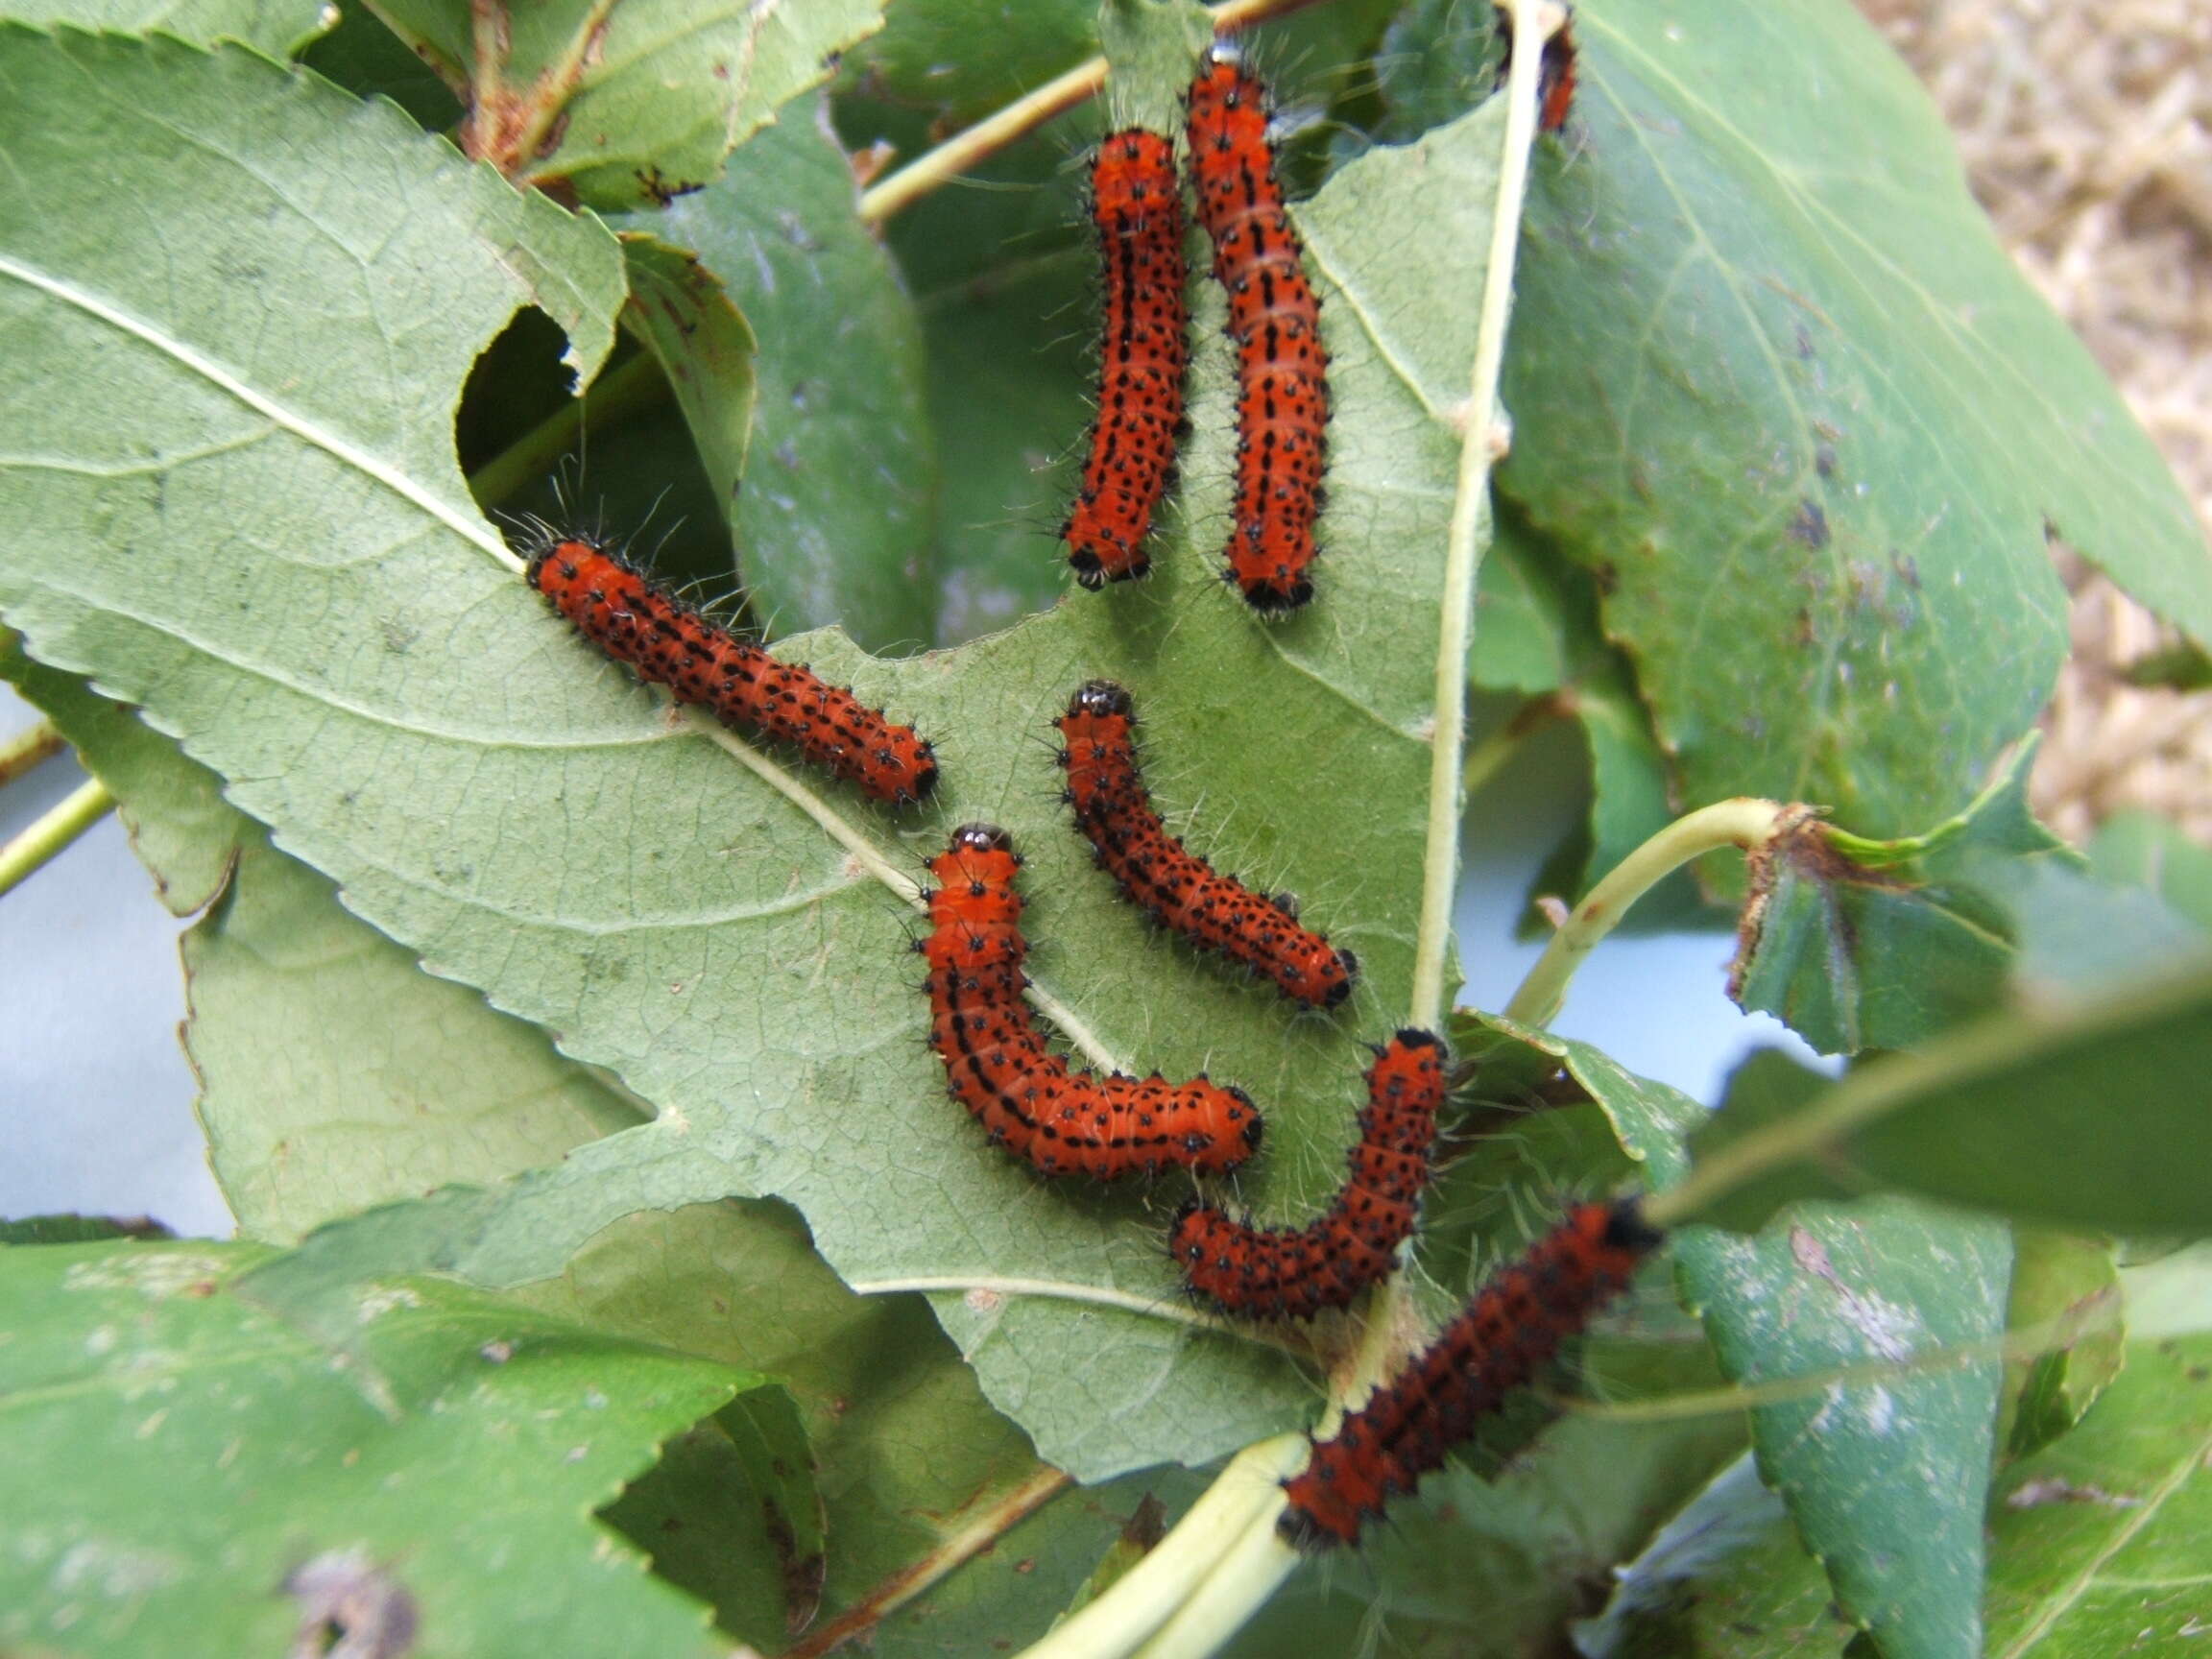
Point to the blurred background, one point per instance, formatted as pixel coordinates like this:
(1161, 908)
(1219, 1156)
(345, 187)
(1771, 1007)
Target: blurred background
(2086, 133)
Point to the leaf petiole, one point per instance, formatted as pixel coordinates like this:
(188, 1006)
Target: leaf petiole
(1145, 1598)
(1744, 822)
(51, 835)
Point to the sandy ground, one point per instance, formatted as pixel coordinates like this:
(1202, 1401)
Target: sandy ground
(2086, 130)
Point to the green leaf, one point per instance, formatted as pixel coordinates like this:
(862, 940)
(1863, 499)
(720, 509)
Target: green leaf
(2142, 850)
(641, 102)
(2099, 1538)
(275, 27)
(927, 54)
(910, 1459)
(1436, 63)
(333, 1071)
(1005, 378)
(2089, 1113)
(1877, 1285)
(1653, 1595)
(1535, 619)
(238, 1468)
(418, 727)
(172, 807)
(1804, 418)
(731, 1514)
(335, 1074)
(1865, 1467)
(1767, 1596)
(1632, 788)
(363, 56)
(840, 376)
(2069, 1288)
(315, 388)
(704, 344)
(1648, 1120)
(1859, 944)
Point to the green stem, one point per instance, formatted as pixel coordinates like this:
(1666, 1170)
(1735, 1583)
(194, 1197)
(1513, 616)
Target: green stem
(47, 839)
(636, 384)
(1482, 442)
(1739, 823)
(27, 749)
(1253, 1570)
(1148, 1595)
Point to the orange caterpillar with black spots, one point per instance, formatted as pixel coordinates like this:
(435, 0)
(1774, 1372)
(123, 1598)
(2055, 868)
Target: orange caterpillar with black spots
(1173, 887)
(1137, 205)
(1275, 321)
(1511, 1329)
(666, 643)
(997, 1064)
(1268, 1273)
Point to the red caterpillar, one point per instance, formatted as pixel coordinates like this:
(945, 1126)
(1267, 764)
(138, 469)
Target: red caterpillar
(998, 1065)
(1177, 888)
(1275, 320)
(1137, 204)
(1294, 1274)
(668, 643)
(1555, 79)
(1512, 1327)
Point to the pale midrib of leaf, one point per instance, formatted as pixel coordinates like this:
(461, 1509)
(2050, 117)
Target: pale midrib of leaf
(70, 467)
(465, 525)
(1979, 934)
(1151, 1307)
(850, 836)
(684, 924)
(2134, 1521)
(1816, 210)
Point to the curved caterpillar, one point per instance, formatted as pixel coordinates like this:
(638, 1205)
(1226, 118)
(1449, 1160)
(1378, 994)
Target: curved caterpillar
(1137, 205)
(998, 1065)
(1275, 320)
(615, 605)
(1512, 1327)
(1173, 887)
(1293, 1274)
